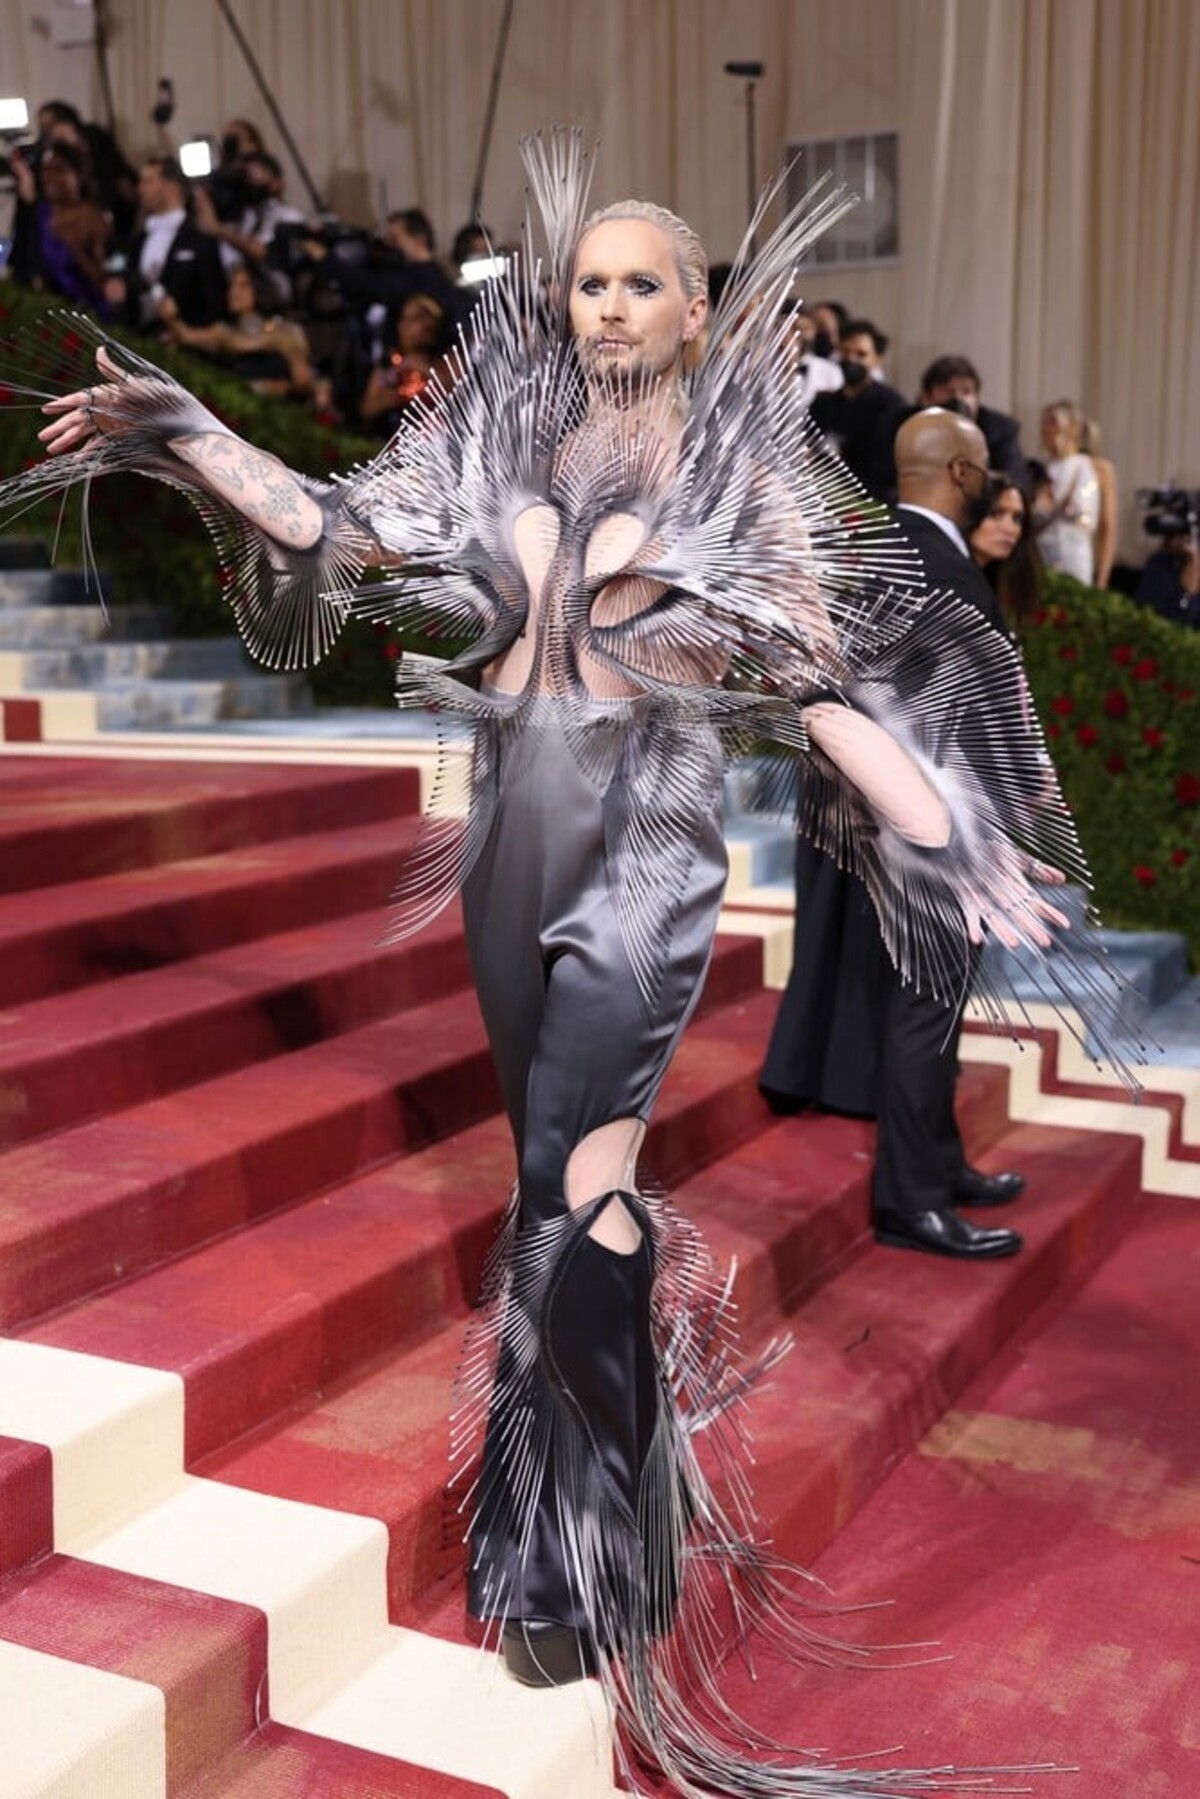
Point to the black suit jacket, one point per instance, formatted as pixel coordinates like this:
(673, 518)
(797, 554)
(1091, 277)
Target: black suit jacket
(832, 1038)
(947, 570)
(861, 424)
(1003, 437)
(192, 274)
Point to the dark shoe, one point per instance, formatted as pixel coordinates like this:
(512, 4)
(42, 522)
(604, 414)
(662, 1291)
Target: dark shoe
(540, 1653)
(973, 1188)
(943, 1233)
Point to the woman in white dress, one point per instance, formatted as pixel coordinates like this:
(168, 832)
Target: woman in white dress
(1069, 515)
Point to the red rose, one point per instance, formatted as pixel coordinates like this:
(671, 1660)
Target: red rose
(1178, 858)
(1087, 735)
(1052, 730)
(392, 652)
(1152, 737)
(1040, 616)
(1167, 686)
(1069, 653)
(1064, 705)
(1145, 669)
(1187, 789)
(1122, 654)
(1058, 616)
(1145, 875)
(6, 394)
(1115, 764)
(1116, 703)
(1185, 694)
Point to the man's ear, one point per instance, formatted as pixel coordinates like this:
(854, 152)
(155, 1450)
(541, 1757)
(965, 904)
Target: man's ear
(694, 317)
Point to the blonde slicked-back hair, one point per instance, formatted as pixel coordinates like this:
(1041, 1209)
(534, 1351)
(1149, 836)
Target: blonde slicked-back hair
(690, 259)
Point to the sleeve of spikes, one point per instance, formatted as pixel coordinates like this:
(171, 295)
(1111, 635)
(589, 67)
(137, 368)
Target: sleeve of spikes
(292, 549)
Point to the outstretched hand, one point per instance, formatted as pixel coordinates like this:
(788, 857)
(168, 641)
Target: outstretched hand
(1012, 910)
(91, 412)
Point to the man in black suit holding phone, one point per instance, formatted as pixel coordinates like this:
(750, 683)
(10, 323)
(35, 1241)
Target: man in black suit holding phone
(850, 1033)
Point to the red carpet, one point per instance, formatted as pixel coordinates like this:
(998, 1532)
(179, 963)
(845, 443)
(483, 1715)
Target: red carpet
(243, 1143)
(1047, 1536)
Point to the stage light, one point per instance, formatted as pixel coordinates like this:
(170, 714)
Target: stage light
(14, 118)
(482, 268)
(196, 158)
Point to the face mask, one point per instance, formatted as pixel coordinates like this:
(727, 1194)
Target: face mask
(855, 374)
(256, 192)
(822, 344)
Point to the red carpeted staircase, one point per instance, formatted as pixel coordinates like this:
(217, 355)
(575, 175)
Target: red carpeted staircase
(246, 1145)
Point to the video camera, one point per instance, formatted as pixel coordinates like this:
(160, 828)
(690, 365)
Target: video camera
(1170, 511)
(347, 246)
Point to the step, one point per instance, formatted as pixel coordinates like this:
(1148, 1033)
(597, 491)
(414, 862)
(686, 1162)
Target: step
(72, 819)
(163, 705)
(125, 1192)
(82, 1635)
(1153, 963)
(33, 586)
(256, 1319)
(171, 1545)
(40, 627)
(138, 919)
(887, 1347)
(74, 1732)
(26, 1504)
(96, 1203)
(117, 1044)
(23, 553)
(103, 663)
(208, 1657)
(1043, 1533)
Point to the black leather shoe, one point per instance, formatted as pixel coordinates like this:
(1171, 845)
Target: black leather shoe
(974, 1188)
(944, 1233)
(540, 1653)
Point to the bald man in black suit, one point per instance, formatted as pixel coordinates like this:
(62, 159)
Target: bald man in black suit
(850, 1033)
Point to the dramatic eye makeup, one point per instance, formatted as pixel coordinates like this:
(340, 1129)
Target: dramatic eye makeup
(643, 286)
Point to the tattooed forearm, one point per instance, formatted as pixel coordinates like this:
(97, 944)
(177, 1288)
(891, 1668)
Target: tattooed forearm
(257, 484)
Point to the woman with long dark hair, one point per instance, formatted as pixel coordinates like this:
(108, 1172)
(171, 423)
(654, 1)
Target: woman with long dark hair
(1005, 548)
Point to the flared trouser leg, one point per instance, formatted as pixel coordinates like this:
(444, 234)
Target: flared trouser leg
(578, 1046)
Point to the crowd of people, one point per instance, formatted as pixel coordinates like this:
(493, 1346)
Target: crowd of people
(357, 324)
(301, 308)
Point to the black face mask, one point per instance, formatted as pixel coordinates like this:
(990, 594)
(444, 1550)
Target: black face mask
(822, 344)
(256, 193)
(854, 374)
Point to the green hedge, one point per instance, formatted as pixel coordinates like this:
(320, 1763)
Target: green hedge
(1115, 685)
(1118, 692)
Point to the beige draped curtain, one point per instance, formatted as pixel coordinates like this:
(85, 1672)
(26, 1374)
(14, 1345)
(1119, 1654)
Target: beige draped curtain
(1050, 151)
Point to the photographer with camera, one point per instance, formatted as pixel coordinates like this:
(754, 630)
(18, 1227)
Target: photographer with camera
(1170, 579)
(250, 237)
